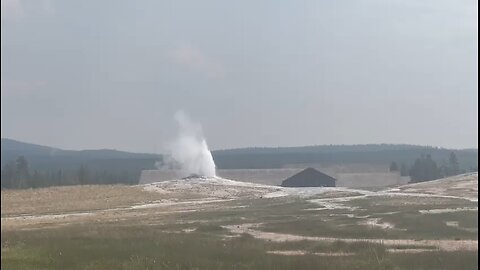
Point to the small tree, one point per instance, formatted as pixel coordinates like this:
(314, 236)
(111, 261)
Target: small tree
(83, 175)
(424, 169)
(36, 178)
(22, 174)
(454, 168)
(431, 168)
(58, 178)
(393, 167)
(403, 170)
(443, 170)
(8, 175)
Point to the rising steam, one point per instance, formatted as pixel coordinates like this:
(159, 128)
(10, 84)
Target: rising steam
(188, 153)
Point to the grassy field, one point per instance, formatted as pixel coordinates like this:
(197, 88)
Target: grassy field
(112, 247)
(121, 227)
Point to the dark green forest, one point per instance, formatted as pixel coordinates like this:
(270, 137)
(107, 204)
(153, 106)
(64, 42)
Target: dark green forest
(29, 166)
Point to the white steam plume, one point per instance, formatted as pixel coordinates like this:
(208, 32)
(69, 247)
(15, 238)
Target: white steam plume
(189, 153)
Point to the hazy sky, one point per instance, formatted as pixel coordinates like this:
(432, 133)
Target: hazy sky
(111, 74)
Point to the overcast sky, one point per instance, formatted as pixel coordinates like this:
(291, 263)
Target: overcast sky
(111, 74)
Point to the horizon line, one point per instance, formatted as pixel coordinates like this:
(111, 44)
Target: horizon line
(254, 147)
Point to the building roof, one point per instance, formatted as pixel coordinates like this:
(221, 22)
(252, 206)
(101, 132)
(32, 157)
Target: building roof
(313, 171)
(308, 175)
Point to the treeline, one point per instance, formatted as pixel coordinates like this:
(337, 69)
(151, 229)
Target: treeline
(17, 175)
(425, 168)
(375, 155)
(48, 171)
(332, 148)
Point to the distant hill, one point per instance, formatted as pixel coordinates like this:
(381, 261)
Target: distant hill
(50, 158)
(13, 147)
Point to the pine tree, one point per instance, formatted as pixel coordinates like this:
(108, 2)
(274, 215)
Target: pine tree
(403, 170)
(22, 174)
(454, 168)
(8, 175)
(424, 169)
(83, 175)
(393, 167)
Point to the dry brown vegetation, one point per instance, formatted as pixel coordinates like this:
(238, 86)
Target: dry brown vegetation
(73, 199)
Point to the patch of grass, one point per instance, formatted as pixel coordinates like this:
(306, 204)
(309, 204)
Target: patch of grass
(411, 247)
(436, 260)
(256, 210)
(407, 224)
(431, 226)
(467, 219)
(211, 229)
(148, 247)
(65, 199)
(360, 246)
(381, 204)
(335, 194)
(332, 227)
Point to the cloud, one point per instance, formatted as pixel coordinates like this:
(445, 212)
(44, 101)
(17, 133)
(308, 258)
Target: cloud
(47, 7)
(193, 59)
(20, 88)
(12, 10)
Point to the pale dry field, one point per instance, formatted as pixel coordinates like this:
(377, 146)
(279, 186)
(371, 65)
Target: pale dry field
(57, 200)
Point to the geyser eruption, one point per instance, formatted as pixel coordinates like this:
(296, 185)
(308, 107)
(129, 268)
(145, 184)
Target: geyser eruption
(189, 153)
